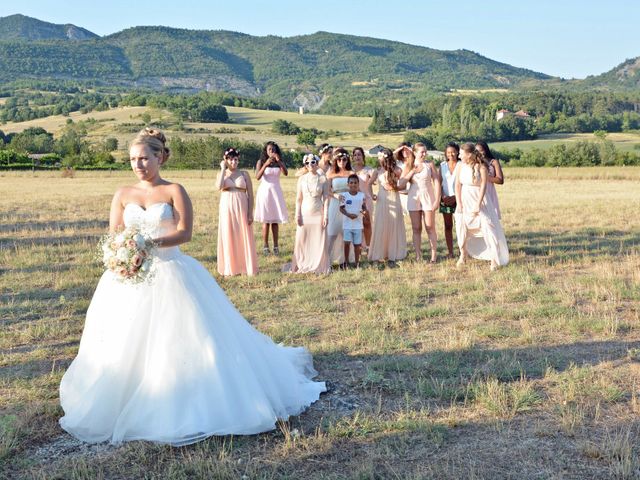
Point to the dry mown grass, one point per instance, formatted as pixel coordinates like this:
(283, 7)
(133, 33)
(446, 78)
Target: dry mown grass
(530, 372)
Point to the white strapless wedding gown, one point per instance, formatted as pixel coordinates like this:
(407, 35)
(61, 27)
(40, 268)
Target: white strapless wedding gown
(173, 361)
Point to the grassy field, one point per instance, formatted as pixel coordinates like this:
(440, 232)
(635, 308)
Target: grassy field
(623, 141)
(529, 372)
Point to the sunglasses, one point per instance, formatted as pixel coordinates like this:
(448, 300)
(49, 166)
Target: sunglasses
(311, 162)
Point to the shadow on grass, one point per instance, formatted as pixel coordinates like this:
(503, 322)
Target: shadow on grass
(575, 244)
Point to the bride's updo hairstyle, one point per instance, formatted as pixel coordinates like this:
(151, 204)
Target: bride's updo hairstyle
(155, 140)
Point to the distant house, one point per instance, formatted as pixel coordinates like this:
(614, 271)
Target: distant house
(500, 114)
(522, 114)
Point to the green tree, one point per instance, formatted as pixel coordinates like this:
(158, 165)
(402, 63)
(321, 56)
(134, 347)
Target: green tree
(306, 138)
(110, 144)
(284, 127)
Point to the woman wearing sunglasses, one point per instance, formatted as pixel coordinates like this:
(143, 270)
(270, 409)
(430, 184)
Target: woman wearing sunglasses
(312, 203)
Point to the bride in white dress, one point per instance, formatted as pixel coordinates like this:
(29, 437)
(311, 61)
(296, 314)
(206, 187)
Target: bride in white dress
(172, 360)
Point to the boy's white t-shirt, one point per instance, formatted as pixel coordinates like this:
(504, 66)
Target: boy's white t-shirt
(352, 204)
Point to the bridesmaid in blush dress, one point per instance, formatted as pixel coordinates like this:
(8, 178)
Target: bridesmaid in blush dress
(389, 239)
(480, 233)
(312, 202)
(271, 209)
(495, 177)
(422, 199)
(236, 245)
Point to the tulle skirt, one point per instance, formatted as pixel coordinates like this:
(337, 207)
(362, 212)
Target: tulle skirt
(173, 361)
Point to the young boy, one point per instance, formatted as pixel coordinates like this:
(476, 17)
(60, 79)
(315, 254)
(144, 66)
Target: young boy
(352, 206)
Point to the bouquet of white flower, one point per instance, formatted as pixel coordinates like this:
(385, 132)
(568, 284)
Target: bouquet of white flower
(128, 254)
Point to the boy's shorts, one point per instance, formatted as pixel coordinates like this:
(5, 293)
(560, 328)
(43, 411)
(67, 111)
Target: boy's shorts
(352, 235)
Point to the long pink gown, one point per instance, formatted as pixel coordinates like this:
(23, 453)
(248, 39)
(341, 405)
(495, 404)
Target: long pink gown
(389, 238)
(481, 234)
(421, 195)
(236, 245)
(270, 204)
(310, 249)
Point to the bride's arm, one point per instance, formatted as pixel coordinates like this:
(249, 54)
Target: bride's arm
(183, 212)
(116, 222)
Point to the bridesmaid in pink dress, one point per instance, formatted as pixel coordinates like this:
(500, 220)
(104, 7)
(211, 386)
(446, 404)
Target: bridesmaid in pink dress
(236, 245)
(479, 230)
(494, 169)
(271, 209)
(389, 239)
(423, 198)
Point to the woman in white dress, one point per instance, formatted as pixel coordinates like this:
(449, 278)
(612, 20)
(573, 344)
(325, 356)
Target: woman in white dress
(171, 360)
(478, 227)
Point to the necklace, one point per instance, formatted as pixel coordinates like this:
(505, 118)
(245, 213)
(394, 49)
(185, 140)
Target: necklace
(313, 191)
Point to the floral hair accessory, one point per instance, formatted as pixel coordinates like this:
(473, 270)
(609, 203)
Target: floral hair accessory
(325, 149)
(231, 152)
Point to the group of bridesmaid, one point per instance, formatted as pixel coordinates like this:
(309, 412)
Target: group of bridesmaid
(408, 183)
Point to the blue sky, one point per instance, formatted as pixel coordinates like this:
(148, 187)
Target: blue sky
(567, 38)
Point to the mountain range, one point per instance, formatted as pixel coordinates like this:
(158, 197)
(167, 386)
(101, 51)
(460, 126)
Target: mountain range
(340, 73)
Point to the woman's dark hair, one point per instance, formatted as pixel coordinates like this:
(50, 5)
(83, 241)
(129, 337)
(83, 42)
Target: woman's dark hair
(274, 145)
(389, 166)
(453, 145)
(361, 150)
(484, 151)
(231, 152)
(340, 153)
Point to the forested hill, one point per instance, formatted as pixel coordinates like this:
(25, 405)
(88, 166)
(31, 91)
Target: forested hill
(26, 28)
(341, 73)
(625, 76)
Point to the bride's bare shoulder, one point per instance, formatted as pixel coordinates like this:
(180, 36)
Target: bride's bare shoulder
(124, 193)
